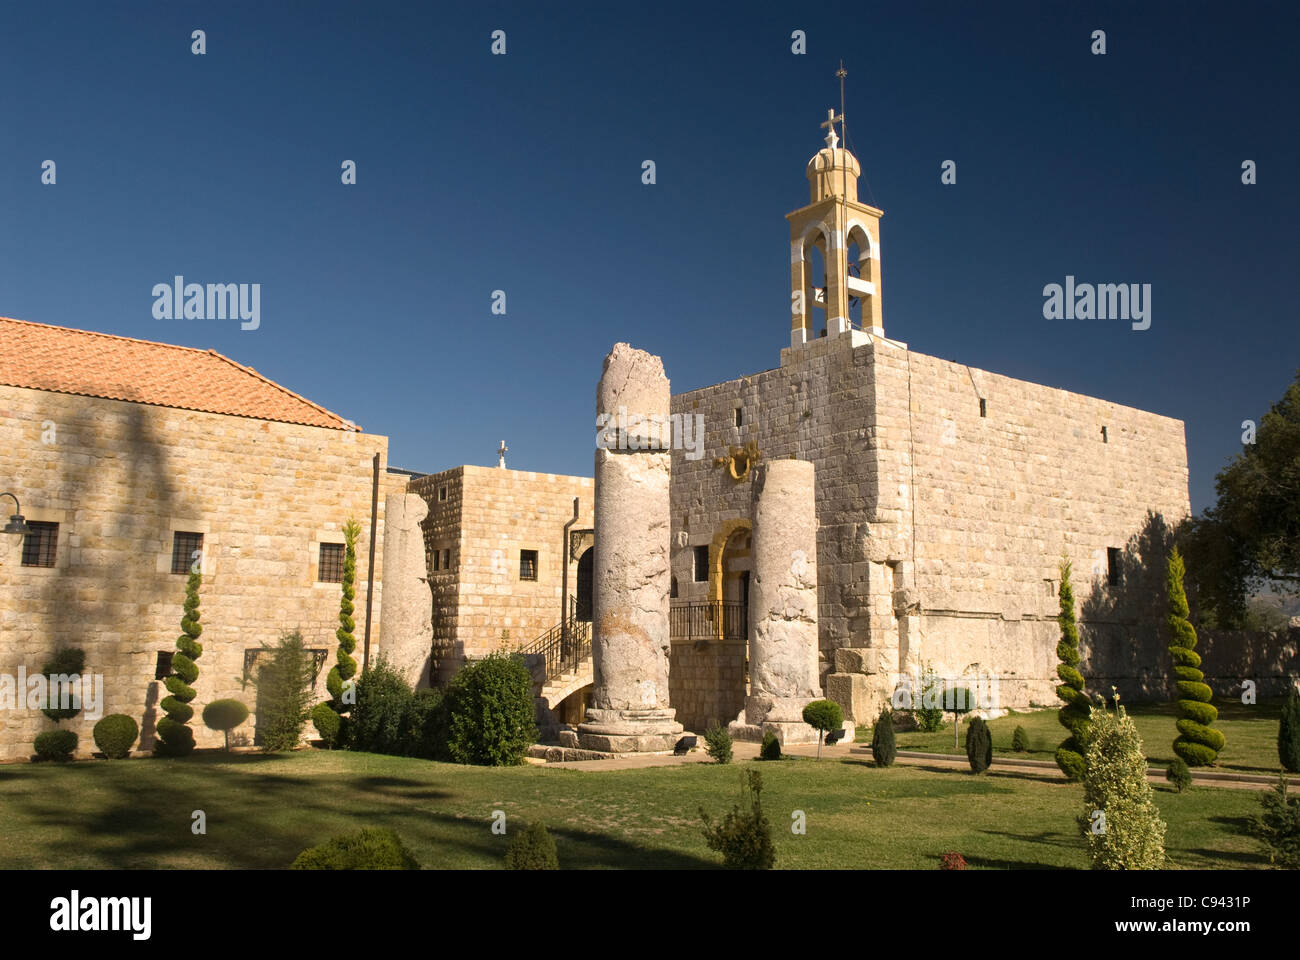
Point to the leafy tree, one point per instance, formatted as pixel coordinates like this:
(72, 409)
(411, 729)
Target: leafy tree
(1120, 820)
(491, 717)
(823, 716)
(717, 744)
(979, 745)
(744, 837)
(1197, 743)
(225, 715)
(284, 690)
(1288, 733)
(1178, 774)
(532, 849)
(1277, 826)
(883, 745)
(1074, 715)
(327, 723)
(336, 682)
(928, 702)
(175, 738)
(378, 721)
(1252, 533)
(1020, 740)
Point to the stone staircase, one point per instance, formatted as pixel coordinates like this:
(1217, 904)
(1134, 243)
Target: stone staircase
(573, 679)
(561, 664)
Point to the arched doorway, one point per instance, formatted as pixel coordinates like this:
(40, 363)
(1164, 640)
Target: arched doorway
(583, 601)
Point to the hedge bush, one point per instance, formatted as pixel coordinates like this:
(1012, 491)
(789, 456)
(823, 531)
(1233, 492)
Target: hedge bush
(491, 718)
(979, 745)
(225, 715)
(771, 747)
(1178, 774)
(425, 726)
(375, 848)
(1115, 786)
(744, 836)
(884, 748)
(327, 723)
(115, 735)
(1288, 733)
(378, 721)
(717, 744)
(57, 745)
(1277, 826)
(532, 849)
(1020, 740)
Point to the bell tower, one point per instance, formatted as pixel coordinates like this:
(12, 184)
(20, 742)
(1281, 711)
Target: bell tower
(846, 234)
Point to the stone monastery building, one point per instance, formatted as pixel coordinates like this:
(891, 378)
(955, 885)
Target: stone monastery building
(946, 497)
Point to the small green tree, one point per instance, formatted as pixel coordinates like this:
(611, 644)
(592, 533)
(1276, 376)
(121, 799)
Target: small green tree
(225, 715)
(1288, 733)
(744, 837)
(284, 689)
(1074, 715)
(823, 716)
(883, 745)
(717, 744)
(927, 703)
(770, 749)
(1277, 826)
(1020, 740)
(175, 738)
(979, 745)
(327, 723)
(336, 681)
(1178, 774)
(491, 717)
(532, 849)
(1197, 743)
(1120, 820)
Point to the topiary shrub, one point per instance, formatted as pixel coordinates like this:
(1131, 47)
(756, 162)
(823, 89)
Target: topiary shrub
(175, 738)
(1120, 820)
(284, 692)
(823, 716)
(717, 744)
(1178, 774)
(1288, 733)
(1197, 743)
(63, 666)
(57, 745)
(378, 721)
(884, 748)
(1277, 826)
(1020, 740)
(979, 745)
(345, 667)
(1074, 715)
(225, 715)
(744, 837)
(327, 724)
(771, 747)
(532, 849)
(115, 735)
(491, 718)
(375, 848)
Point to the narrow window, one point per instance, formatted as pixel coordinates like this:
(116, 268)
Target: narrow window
(40, 544)
(442, 494)
(1105, 435)
(702, 563)
(672, 589)
(1113, 573)
(446, 559)
(330, 568)
(527, 564)
(187, 551)
(740, 416)
(984, 407)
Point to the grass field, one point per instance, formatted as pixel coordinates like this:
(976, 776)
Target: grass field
(263, 810)
(1251, 732)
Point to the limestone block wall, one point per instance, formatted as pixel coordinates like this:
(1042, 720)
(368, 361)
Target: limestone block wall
(119, 478)
(489, 516)
(707, 683)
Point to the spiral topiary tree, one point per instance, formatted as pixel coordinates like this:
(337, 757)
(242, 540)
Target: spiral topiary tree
(1074, 715)
(175, 738)
(343, 695)
(1197, 743)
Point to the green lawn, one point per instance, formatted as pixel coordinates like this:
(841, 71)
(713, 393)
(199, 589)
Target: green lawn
(262, 810)
(1251, 733)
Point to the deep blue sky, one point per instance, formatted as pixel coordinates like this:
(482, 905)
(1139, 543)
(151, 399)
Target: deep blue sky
(523, 172)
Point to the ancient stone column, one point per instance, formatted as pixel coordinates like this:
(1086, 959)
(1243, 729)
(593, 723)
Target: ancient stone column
(406, 604)
(630, 644)
(783, 675)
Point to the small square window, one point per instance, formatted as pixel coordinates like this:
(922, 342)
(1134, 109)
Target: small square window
(442, 494)
(330, 568)
(187, 551)
(1114, 573)
(40, 544)
(702, 563)
(527, 564)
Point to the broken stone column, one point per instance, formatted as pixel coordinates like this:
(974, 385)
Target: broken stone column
(406, 605)
(783, 675)
(630, 644)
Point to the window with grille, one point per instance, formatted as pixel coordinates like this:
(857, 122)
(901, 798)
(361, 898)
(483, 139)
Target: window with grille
(527, 564)
(330, 568)
(40, 544)
(187, 550)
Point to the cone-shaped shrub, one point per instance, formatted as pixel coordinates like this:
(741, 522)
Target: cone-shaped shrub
(1074, 715)
(1178, 774)
(224, 715)
(883, 746)
(532, 849)
(979, 745)
(1288, 733)
(1020, 740)
(771, 747)
(175, 738)
(1198, 743)
(346, 667)
(1120, 820)
(115, 735)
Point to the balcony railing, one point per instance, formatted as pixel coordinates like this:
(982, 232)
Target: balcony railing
(708, 620)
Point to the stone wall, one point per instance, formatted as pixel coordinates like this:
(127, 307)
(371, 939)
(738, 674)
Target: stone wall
(119, 478)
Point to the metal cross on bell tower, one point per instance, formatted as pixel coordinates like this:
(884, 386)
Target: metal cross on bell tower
(501, 455)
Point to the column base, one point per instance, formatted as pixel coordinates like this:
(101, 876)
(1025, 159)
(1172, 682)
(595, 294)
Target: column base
(630, 731)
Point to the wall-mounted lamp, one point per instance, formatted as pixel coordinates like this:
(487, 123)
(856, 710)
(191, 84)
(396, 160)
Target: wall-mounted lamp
(16, 522)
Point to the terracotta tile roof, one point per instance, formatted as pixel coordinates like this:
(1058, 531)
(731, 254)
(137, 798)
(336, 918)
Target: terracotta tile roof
(63, 360)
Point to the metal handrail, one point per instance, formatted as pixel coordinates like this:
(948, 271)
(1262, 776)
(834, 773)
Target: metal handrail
(708, 620)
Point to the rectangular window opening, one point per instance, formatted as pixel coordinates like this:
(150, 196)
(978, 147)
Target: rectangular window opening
(984, 407)
(527, 564)
(41, 544)
(702, 563)
(330, 568)
(1114, 571)
(187, 551)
